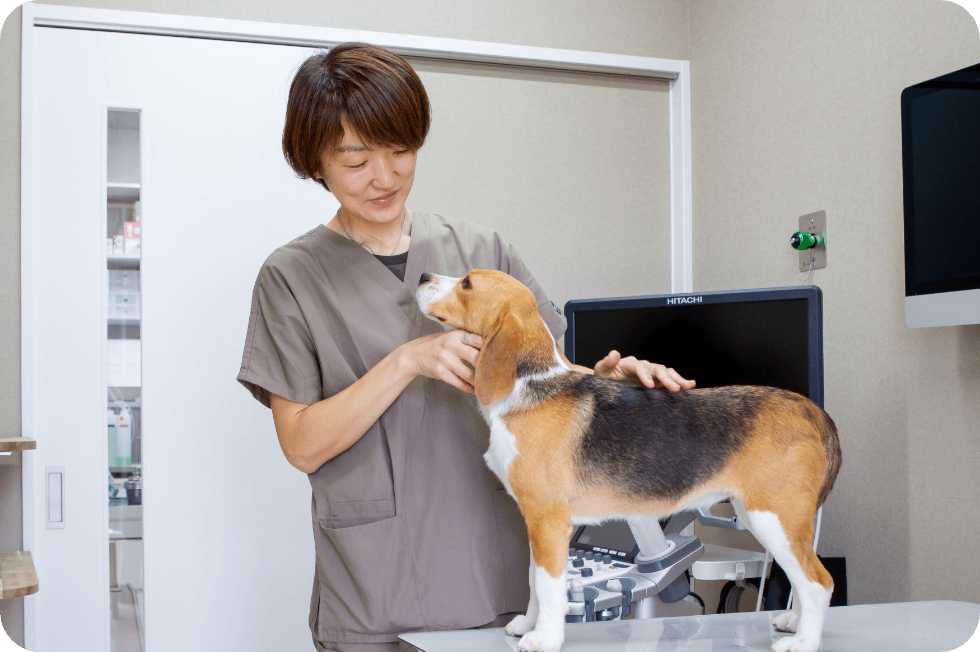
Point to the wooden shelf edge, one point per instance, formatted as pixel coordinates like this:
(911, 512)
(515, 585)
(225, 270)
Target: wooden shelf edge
(8, 444)
(17, 575)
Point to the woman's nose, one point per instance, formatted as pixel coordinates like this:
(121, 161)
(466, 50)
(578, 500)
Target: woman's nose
(384, 174)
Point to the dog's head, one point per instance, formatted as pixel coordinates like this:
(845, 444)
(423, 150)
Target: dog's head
(493, 305)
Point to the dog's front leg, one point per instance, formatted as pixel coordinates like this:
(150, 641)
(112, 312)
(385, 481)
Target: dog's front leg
(548, 531)
(521, 625)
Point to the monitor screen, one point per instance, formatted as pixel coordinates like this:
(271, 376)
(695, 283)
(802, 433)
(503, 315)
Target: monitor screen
(769, 337)
(941, 170)
(614, 538)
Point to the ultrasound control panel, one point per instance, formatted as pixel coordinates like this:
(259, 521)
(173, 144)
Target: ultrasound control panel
(598, 553)
(604, 579)
(595, 566)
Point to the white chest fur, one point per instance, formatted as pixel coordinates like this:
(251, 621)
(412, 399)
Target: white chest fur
(503, 444)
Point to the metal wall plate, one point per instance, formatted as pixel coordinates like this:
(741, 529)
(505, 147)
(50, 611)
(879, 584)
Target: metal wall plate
(815, 223)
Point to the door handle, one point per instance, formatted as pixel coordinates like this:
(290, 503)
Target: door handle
(55, 479)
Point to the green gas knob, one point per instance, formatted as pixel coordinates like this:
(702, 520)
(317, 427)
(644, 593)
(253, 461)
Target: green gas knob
(802, 240)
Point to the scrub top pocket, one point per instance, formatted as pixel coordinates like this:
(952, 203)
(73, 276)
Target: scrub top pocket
(369, 591)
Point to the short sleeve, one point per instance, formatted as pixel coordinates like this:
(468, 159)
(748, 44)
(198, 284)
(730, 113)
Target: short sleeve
(279, 355)
(512, 264)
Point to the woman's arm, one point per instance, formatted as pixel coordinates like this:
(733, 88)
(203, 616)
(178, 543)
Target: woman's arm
(310, 435)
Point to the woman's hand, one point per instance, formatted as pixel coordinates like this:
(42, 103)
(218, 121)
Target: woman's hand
(446, 357)
(310, 435)
(641, 372)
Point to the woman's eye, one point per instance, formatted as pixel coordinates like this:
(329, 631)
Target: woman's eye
(358, 166)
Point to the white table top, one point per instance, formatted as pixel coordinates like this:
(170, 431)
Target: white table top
(902, 627)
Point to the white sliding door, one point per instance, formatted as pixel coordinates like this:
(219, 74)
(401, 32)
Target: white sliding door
(574, 169)
(228, 559)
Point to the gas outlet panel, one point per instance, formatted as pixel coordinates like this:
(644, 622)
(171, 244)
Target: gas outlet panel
(816, 225)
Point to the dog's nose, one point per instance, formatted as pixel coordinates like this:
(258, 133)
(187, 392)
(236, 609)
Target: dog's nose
(424, 278)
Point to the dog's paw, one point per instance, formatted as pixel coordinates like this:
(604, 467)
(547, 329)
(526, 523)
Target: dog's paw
(796, 644)
(541, 641)
(520, 626)
(786, 622)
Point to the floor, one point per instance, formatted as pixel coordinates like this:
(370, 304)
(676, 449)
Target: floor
(124, 626)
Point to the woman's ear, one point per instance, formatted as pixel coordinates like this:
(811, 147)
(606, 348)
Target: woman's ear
(496, 368)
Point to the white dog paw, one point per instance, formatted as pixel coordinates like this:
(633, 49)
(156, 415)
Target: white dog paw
(539, 641)
(786, 622)
(795, 644)
(520, 626)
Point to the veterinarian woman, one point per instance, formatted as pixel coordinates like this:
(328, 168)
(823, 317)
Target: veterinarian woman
(412, 531)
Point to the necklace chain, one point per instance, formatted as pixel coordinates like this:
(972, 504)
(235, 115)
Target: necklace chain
(401, 233)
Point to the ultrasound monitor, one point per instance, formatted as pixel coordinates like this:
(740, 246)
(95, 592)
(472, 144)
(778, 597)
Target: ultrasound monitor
(771, 337)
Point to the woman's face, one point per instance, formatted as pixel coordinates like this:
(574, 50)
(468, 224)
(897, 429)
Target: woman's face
(370, 184)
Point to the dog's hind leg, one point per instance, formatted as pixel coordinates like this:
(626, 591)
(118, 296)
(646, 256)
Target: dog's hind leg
(791, 544)
(788, 620)
(548, 531)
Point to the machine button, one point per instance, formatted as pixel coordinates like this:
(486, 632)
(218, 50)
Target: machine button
(578, 563)
(607, 559)
(586, 572)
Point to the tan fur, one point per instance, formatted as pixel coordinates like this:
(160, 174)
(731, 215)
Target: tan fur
(543, 476)
(599, 502)
(783, 439)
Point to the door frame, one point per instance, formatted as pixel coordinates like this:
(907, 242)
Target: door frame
(676, 72)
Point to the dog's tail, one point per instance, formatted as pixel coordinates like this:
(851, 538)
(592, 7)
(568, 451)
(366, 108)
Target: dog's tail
(828, 435)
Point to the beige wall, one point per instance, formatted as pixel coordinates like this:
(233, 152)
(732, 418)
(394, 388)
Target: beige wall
(796, 109)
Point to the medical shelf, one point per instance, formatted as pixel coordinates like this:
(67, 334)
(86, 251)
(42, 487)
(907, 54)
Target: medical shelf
(17, 575)
(123, 192)
(130, 261)
(8, 444)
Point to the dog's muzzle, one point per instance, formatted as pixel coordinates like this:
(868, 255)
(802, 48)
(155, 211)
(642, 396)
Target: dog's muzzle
(432, 288)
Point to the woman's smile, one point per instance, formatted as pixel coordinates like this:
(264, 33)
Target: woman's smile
(385, 200)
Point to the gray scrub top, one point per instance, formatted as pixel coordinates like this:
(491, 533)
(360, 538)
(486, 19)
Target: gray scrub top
(412, 531)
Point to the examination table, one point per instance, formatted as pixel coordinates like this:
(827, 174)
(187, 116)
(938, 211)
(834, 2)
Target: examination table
(938, 626)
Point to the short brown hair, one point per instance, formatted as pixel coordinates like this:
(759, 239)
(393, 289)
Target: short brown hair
(375, 91)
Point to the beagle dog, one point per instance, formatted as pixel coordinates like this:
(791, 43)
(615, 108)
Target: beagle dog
(575, 448)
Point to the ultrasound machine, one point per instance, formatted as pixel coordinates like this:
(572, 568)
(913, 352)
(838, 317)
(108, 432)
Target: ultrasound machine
(643, 567)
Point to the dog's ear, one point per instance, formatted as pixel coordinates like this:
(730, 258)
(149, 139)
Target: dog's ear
(496, 368)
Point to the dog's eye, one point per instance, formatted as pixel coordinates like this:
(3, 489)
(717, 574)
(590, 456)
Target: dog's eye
(466, 283)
